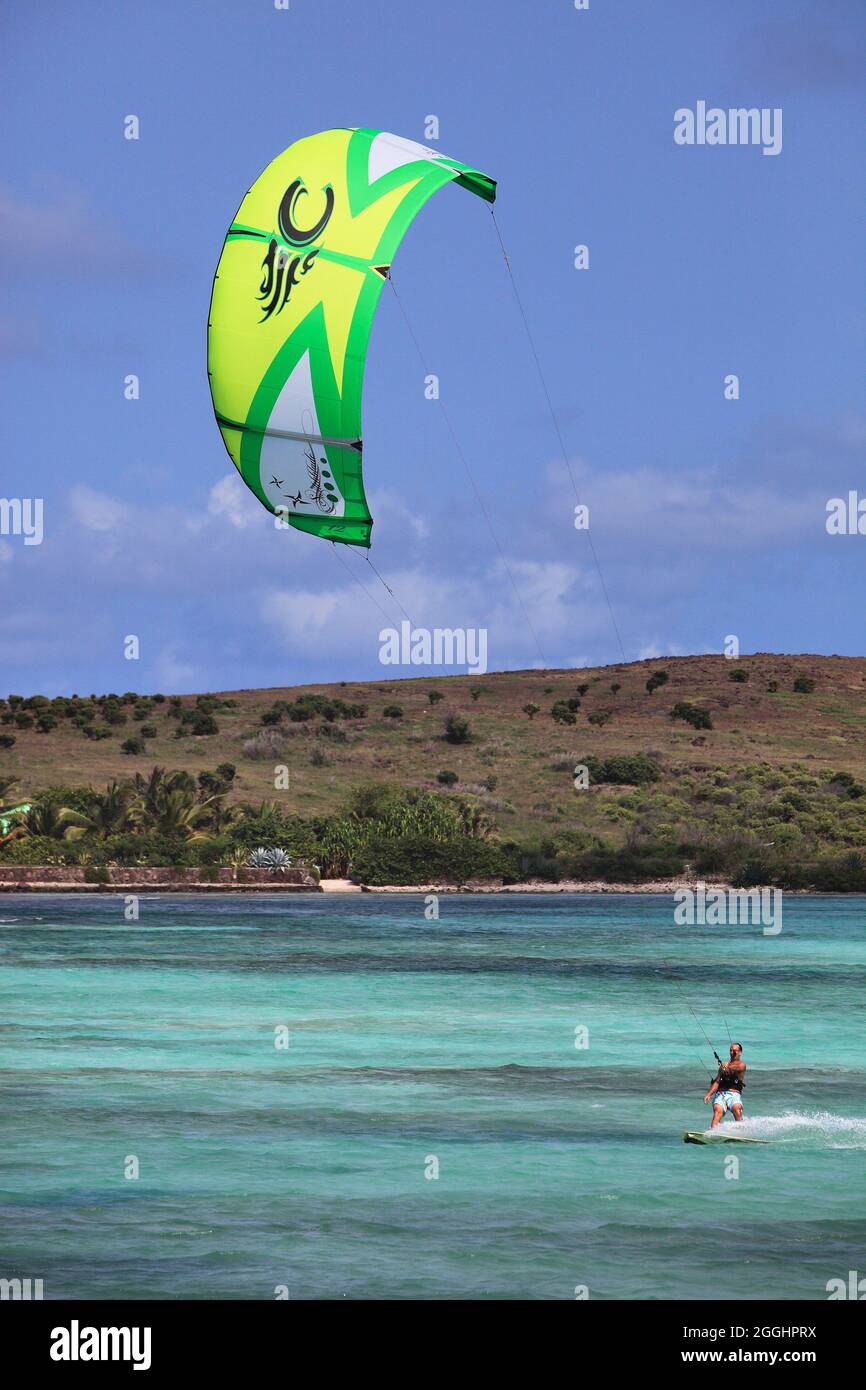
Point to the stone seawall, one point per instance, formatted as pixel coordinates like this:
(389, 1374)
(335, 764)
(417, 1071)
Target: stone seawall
(67, 878)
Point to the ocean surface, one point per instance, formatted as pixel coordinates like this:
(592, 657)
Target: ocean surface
(333, 1097)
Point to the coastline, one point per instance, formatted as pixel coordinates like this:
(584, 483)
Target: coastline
(55, 879)
(665, 886)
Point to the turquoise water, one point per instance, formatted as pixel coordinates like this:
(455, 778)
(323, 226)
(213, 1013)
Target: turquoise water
(414, 1041)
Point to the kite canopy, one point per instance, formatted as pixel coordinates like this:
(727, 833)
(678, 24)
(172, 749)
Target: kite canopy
(293, 300)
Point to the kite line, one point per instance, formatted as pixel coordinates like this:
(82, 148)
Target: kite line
(556, 427)
(479, 499)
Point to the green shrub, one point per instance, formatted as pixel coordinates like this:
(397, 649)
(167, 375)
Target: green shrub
(199, 722)
(38, 849)
(457, 729)
(843, 784)
(393, 711)
(312, 706)
(600, 717)
(417, 859)
(447, 779)
(631, 769)
(7, 740)
(333, 732)
(656, 679)
(739, 675)
(628, 865)
(562, 714)
(696, 715)
(804, 685)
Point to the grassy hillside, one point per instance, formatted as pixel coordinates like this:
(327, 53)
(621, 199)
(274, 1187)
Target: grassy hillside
(784, 767)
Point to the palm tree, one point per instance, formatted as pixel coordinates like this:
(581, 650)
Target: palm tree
(170, 805)
(180, 813)
(109, 813)
(148, 792)
(475, 822)
(9, 808)
(222, 816)
(47, 820)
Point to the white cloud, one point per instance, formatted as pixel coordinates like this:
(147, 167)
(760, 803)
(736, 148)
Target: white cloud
(173, 672)
(388, 508)
(96, 511)
(232, 499)
(648, 651)
(301, 618)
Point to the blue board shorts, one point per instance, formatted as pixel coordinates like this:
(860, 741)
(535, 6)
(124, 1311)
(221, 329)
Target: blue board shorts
(727, 1099)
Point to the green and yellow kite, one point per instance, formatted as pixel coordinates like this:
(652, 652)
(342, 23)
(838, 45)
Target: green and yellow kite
(293, 300)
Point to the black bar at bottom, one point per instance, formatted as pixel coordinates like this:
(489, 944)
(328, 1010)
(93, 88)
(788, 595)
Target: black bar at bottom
(170, 1338)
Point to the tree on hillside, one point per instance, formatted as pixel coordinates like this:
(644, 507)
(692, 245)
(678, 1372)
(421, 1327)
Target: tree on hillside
(696, 715)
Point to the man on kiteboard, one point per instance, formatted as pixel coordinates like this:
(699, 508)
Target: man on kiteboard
(726, 1091)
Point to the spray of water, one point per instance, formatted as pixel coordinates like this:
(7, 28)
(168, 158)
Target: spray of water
(812, 1129)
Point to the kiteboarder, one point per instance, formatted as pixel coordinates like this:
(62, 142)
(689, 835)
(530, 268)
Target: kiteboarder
(726, 1092)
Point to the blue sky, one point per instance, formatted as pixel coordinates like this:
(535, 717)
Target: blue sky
(708, 516)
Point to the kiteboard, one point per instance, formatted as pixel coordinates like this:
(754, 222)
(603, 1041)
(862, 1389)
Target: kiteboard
(719, 1136)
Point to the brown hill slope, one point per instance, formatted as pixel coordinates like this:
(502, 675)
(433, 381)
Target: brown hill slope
(519, 769)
